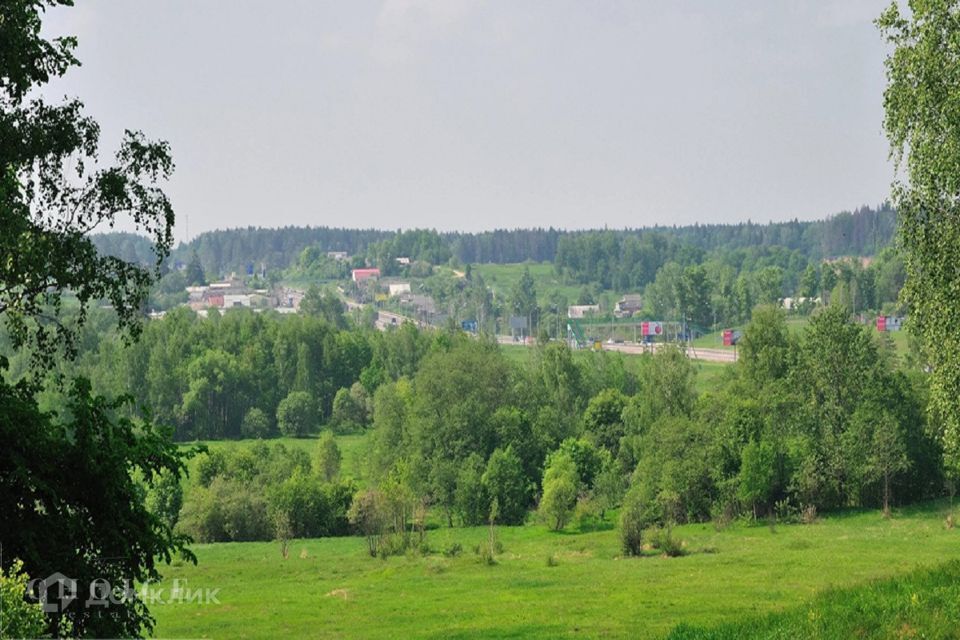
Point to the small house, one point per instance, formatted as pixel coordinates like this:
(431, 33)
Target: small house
(360, 275)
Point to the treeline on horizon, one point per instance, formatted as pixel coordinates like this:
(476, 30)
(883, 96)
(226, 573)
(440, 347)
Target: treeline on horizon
(862, 232)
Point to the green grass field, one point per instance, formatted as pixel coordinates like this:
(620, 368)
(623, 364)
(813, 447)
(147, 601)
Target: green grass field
(921, 604)
(331, 588)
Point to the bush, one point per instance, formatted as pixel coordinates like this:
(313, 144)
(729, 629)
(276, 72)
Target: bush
(505, 481)
(165, 498)
(344, 415)
(587, 514)
(470, 496)
(487, 555)
(454, 550)
(366, 515)
(351, 408)
(226, 511)
(255, 424)
(296, 414)
(560, 484)
(303, 498)
(586, 457)
(632, 522)
(210, 465)
(327, 457)
(248, 487)
(663, 541)
(20, 619)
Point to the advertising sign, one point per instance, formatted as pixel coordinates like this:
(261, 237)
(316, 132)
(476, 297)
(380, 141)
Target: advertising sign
(651, 328)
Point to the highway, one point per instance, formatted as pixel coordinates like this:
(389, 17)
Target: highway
(386, 319)
(707, 355)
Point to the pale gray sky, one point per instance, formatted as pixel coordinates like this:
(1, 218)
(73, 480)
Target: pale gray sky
(466, 115)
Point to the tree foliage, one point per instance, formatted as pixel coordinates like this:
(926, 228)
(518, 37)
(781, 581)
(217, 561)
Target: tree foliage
(20, 619)
(296, 414)
(71, 505)
(923, 124)
(53, 192)
(561, 483)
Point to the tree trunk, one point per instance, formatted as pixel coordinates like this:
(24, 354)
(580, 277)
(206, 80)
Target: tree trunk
(886, 495)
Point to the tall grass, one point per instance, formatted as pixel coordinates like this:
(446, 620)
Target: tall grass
(922, 604)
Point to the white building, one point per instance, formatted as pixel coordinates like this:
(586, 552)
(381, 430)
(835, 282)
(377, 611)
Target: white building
(582, 310)
(398, 288)
(236, 300)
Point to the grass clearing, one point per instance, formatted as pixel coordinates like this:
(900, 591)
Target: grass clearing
(331, 588)
(921, 604)
(501, 278)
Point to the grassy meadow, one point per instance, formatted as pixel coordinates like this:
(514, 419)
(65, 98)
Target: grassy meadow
(331, 588)
(501, 278)
(920, 604)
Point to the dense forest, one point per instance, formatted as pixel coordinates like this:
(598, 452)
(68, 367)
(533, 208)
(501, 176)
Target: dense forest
(864, 231)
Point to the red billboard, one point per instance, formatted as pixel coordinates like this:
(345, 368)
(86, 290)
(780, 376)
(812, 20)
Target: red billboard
(651, 328)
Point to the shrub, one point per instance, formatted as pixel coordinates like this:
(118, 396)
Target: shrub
(226, 511)
(632, 522)
(487, 557)
(505, 481)
(20, 619)
(210, 465)
(165, 498)
(327, 457)
(367, 517)
(586, 457)
(344, 416)
(560, 484)
(663, 541)
(255, 424)
(587, 514)
(296, 414)
(315, 508)
(470, 496)
(454, 550)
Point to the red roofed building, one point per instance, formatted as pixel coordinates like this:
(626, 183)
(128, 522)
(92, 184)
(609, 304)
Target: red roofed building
(359, 275)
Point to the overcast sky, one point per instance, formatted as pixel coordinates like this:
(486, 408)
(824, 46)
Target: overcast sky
(465, 115)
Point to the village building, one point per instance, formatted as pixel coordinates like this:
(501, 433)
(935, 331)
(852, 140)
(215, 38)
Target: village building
(360, 275)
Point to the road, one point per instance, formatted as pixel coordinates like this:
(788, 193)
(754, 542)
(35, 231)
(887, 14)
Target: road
(386, 319)
(707, 355)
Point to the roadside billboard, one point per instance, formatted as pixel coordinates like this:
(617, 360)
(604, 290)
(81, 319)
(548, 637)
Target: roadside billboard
(651, 329)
